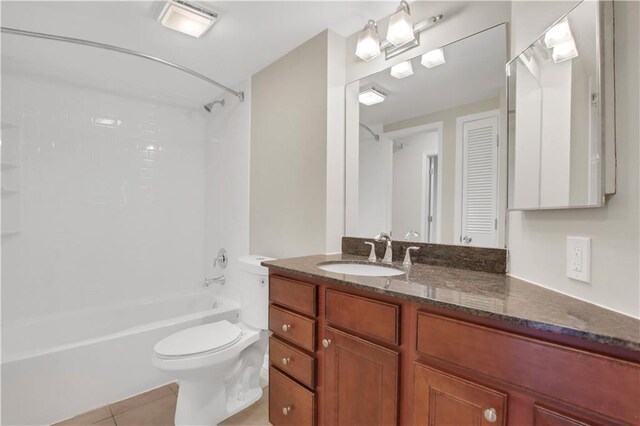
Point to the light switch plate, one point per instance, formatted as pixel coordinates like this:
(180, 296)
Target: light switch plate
(579, 258)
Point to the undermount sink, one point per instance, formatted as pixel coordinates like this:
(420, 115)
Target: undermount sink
(367, 270)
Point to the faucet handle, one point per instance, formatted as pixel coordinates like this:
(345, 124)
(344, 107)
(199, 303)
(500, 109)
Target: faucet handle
(407, 256)
(372, 254)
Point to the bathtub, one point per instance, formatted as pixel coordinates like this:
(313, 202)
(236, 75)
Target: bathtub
(58, 366)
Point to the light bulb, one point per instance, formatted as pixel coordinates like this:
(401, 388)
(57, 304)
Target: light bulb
(402, 70)
(400, 29)
(433, 58)
(368, 46)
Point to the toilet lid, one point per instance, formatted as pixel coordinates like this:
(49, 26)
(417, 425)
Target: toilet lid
(199, 339)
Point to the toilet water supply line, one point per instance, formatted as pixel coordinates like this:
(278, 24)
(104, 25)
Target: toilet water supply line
(15, 31)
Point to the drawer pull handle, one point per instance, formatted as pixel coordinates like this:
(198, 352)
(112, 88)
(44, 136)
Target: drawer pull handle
(286, 361)
(286, 410)
(286, 327)
(491, 415)
(326, 342)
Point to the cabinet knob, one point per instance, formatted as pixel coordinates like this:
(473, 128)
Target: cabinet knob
(286, 410)
(326, 342)
(286, 327)
(491, 415)
(286, 360)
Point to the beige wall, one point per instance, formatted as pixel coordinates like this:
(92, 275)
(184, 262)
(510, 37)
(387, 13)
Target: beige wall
(289, 153)
(297, 151)
(448, 156)
(537, 239)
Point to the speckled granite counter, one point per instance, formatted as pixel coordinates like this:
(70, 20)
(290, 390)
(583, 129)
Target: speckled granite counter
(482, 294)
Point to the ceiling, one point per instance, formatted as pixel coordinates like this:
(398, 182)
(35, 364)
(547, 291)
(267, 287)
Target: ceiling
(247, 37)
(474, 70)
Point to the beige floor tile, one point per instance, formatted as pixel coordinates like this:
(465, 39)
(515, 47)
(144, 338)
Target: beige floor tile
(157, 413)
(139, 400)
(174, 387)
(255, 415)
(106, 422)
(87, 418)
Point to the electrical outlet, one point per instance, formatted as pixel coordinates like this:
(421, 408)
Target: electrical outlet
(579, 258)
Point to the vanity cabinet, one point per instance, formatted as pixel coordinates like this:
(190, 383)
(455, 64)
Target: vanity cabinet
(361, 381)
(344, 356)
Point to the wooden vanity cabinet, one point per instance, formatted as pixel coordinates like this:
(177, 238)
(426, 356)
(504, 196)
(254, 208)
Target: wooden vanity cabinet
(360, 358)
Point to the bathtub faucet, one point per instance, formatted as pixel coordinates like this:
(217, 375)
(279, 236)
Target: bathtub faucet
(220, 279)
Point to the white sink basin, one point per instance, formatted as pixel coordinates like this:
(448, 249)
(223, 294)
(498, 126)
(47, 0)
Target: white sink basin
(361, 269)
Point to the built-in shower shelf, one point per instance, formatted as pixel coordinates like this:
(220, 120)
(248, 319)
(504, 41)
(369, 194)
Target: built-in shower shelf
(8, 166)
(7, 234)
(6, 192)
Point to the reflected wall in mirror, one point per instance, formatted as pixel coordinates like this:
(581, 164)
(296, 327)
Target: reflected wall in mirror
(429, 165)
(555, 110)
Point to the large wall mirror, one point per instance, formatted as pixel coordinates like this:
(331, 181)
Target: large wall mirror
(557, 107)
(424, 158)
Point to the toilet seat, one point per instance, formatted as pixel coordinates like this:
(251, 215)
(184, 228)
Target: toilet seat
(199, 340)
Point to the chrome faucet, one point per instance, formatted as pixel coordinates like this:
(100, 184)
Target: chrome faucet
(388, 253)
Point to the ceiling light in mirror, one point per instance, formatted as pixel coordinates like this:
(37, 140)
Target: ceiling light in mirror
(558, 34)
(402, 70)
(433, 58)
(368, 46)
(564, 51)
(371, 96)
(187, 18)
(400, 26)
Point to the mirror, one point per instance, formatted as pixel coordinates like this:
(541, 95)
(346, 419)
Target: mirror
(555, 116)
(425, 163)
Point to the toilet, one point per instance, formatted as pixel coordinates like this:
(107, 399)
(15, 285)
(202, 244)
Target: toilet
(218, 364)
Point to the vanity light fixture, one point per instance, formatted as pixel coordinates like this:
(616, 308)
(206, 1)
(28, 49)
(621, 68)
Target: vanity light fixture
(400, 29)
(558, 34)
(402, 70)
(368, 46)
(187, 17)
(371, 96)
(401, 35)
(433, 58)
(564, 51)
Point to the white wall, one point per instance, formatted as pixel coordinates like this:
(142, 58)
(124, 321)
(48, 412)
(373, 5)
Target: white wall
(408, 191)
(106, 213)
(227, 187)
(537, 240)
(374, 184)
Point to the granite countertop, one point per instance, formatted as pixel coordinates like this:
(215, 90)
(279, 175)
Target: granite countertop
(482, 294)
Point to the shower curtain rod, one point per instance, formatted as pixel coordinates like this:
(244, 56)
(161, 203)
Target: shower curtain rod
(374, 134)
(238, 94)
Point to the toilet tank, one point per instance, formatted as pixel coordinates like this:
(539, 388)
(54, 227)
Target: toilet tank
(254, 291)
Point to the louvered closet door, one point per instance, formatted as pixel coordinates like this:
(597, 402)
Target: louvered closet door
(479, 182)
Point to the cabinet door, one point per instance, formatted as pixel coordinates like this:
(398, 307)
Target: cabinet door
(361, 380)
(442, 399)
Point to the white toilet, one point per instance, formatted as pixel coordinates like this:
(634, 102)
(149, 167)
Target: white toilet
(218, 364)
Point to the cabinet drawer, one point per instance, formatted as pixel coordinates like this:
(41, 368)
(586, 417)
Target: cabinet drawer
(601, 384)
(293, 327)
(371, 318)
(292, 361)
(299, 296)
(289, 403)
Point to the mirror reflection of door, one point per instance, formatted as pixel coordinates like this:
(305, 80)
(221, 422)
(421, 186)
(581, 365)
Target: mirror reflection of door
(477, 177)
(414, 197)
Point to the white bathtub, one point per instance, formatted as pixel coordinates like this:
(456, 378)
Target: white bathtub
(59, 366)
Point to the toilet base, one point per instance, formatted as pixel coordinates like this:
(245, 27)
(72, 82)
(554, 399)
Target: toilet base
(206, 403)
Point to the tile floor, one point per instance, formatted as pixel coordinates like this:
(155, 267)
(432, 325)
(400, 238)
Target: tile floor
(157, 408)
